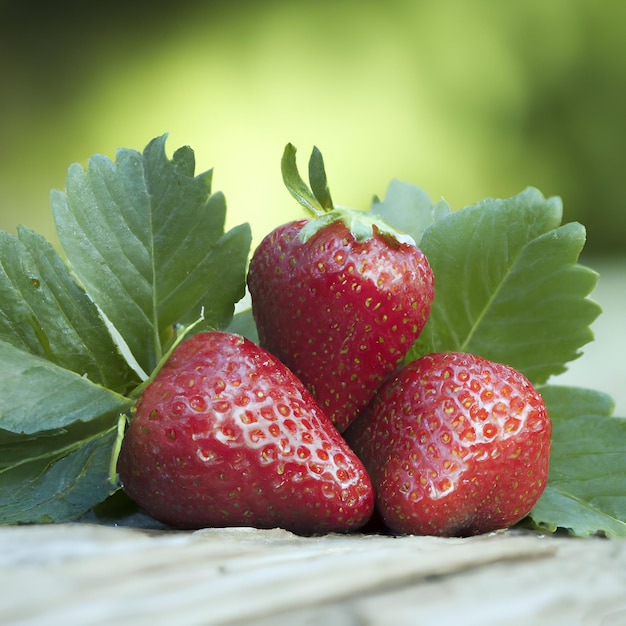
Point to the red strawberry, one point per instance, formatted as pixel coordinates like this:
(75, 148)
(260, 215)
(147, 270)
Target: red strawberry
(226, 435)
(455, 445)
(340, 299)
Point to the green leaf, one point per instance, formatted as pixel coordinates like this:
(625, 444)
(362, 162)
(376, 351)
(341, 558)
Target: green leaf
(585, 493)
(146, 239)
(243, 324)
(567, 402)
(295, 185)
(409, 209)
(318, 180)
(508, 286)
(37, 395)
(58, 476)
(557, 509)
(44, 312)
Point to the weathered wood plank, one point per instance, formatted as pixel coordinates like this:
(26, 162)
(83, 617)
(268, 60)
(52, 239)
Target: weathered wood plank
(88, 574)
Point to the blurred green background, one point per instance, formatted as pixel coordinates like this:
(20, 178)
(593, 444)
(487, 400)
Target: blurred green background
(466, 99)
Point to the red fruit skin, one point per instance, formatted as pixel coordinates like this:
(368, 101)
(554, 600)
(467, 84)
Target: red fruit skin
(226, 435)
(339, 313)
(455, 445)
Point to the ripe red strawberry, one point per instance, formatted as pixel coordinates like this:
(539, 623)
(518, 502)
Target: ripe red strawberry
(339, 298)
(455, 445)
(226, 435)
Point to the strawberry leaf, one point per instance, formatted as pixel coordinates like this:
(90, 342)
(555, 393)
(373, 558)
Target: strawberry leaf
(243, 324)
(37, 396)
(56, 433)
(505, 274)
(55, 476)
(409, 209)
(565, 402)
(44, 312)
(585, 492)
(146, 239)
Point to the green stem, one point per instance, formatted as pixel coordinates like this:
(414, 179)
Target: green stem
(117, 446)
(137, 391)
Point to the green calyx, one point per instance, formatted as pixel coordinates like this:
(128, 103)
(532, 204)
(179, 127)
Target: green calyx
(318, 202)
(361, 225)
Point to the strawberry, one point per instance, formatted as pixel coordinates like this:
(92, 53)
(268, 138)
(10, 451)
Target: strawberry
(455, 445)
(339, 298)
(226, 435)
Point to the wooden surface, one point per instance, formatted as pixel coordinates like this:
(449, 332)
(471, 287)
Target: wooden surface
(86, 574)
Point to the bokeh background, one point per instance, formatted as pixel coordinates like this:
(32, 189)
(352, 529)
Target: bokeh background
(465, 98)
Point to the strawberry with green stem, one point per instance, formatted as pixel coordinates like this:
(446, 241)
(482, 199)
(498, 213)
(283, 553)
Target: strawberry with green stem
(226, 435)
(455, 444)
(339, 297)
